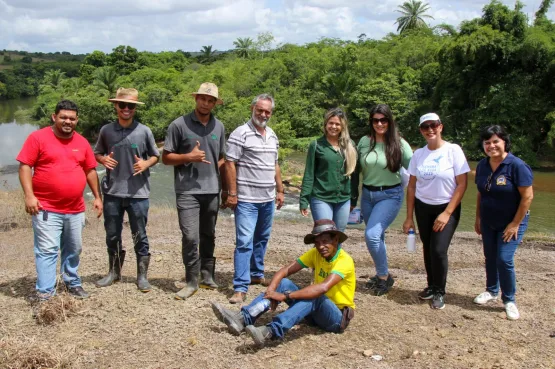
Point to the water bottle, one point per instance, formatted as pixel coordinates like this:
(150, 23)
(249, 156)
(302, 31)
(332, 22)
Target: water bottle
(411, 241)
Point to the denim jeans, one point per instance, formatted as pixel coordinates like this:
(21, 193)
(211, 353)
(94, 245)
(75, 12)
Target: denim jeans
(379, 210)
(197, 220)
(500, 260)
(321, 311)
(137, 211)
(57, 232)
(253, 225)
(338, 212)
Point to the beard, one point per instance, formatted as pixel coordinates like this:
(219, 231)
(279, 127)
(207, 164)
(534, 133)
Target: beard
(259, 123)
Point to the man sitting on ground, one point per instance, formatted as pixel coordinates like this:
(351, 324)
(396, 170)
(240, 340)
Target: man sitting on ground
(328, 303)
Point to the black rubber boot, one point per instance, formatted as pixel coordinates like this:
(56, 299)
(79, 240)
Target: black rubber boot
(115, 262)
(207, 267)
(191, 277)
(142, 269)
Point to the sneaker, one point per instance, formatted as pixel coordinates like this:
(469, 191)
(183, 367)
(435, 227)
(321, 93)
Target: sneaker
(383, 286)
(371, 284)
(78, 292)
(512, 311)
(237, 298)
(426, 294)
(234, 320)
(259, 334)
(484, 298)
(438, 302)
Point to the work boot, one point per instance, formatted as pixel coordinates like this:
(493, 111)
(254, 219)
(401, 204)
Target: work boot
(207, 267)
(115, 263)
(191, 277)
(259, 334)
(237, 298)
(234, 320)
(142, 269)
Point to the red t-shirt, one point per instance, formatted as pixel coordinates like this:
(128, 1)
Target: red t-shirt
(59, 169)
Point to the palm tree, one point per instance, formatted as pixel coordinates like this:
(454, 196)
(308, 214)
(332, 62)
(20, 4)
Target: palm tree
(105, 79)
(206, 53)
(542, 11)
(243, 46)
(53, 77)
(412, 15)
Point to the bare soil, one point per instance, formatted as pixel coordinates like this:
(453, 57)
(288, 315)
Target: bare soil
(120, 327)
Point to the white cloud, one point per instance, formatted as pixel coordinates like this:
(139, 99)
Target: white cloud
(87, 25)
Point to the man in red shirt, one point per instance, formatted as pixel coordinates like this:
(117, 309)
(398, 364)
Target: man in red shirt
(55, 163)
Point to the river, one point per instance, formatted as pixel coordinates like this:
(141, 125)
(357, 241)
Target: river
(13, 134)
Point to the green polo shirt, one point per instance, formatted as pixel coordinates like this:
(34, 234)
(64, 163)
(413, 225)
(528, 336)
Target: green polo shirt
(324, 175)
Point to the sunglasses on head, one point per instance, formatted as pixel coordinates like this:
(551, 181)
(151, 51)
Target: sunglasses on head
(488, 182)
(427, 126)
(123, 105)
(383, 120)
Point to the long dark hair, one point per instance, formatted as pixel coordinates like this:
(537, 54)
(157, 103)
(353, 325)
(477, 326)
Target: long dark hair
(392, 139)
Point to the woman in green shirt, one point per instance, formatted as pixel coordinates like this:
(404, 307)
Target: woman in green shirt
(329, 163)
(381, 154)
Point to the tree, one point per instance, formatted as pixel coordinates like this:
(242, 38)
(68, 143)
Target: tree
(105, 79)
(206, 54)
(96, 59)
(542, 11)
(243, 47)
(52, 78)
(412, 15)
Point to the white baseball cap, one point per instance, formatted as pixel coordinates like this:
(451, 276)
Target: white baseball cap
(429, 116)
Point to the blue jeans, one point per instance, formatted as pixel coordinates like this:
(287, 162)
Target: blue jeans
(338, 212)
(379, 210)
(253, 225)
(321, 310)
(57, 232)
(500, 257)
(137, 211)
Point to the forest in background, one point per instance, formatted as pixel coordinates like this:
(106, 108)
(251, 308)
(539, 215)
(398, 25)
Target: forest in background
(496, 69)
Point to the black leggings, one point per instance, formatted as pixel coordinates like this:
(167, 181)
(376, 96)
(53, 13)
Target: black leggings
(435, 244)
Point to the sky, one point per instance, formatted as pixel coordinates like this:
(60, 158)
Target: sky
(83, 26)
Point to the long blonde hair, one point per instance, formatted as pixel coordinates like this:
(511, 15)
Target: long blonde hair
(345, 144)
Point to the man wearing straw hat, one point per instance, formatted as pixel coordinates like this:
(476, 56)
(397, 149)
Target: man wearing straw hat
(195, 146)
(127, 150)
(327, 303)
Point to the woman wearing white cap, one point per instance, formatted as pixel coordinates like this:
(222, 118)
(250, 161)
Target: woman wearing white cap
(382, 153)
(438, 180)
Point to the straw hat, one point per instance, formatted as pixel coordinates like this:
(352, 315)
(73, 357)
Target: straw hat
(128, 95)
(210, 89)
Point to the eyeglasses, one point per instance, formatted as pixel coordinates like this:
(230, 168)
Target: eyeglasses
(427, 126)
(122, 105)
(383, 121)
(488, 183)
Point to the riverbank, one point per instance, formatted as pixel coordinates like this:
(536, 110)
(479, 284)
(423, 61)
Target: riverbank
(121, 327)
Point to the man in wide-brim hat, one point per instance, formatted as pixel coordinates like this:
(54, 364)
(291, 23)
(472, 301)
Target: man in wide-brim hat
(126, 148)
(327, 303)
(195, 146)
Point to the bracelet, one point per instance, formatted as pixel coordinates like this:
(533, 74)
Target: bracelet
(232, 194)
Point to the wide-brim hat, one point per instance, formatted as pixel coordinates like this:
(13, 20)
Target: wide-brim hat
(128, 95)
(429, 116)
(322, 226)
(210, 89)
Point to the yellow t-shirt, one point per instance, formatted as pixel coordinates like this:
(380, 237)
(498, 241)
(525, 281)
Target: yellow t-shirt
(342, 264)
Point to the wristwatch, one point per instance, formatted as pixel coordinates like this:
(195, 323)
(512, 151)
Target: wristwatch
(287, 298)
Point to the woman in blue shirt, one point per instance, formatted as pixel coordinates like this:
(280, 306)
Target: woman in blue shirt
(504, 197)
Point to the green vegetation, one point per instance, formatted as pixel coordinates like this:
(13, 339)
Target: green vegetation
(498, 68)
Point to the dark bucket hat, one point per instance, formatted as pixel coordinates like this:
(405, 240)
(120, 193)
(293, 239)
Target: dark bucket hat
(322, 226)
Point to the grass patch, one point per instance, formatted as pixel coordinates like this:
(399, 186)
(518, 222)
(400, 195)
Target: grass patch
(27, 354)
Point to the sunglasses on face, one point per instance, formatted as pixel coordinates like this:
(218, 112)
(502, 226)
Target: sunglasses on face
(427, 126)
(122, 105)
(488, 183)
(383, 121)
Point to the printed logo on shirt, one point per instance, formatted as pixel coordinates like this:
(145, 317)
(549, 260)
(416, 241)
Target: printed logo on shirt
(501, 180)
(323, 274)
(430, 168)
(214, 137)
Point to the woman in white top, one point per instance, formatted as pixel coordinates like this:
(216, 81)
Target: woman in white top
(438, 179)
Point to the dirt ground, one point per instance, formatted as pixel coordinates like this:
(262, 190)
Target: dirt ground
(120, 327)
